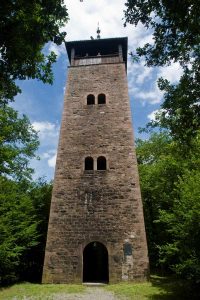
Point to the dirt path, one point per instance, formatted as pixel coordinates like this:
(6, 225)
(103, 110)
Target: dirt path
(91, 293)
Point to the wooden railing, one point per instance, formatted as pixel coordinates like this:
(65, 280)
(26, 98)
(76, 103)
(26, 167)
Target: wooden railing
(94, 60)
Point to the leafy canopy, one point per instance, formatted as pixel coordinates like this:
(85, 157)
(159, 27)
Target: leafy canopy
(24, 205)
(24, 210)
(26, 26)
(182, 223)
(17, 226)
(18, 143)
(175, 25)
(180, 111)
(169, 178)
(176, 38)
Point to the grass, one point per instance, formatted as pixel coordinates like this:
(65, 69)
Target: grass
(158, 288)
(38, 291)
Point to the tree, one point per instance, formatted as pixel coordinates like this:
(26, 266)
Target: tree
(40, 194)
(176, 38)
(175, 26)
(26, 26)
(158, 169)
(182, 222)
(18, 143)
(170, 191)
(180, 111)
(24, 211)
(17, 226)
(24, 205)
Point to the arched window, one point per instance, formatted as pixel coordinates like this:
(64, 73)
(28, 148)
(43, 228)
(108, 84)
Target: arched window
(90, 99)
(101, 99)
(89, 163)
(101, 163)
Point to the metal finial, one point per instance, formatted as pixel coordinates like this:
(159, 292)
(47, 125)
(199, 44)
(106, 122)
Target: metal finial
(98, 32)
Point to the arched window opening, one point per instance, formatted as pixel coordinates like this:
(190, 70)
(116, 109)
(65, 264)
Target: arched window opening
(90, 99)
(101, 99)
(95, 263)
(101, 163)
(89, 163)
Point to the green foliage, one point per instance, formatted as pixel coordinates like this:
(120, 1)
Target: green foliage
(169, 162)
(175, 26)
(24, 205)
(24, 211)
(176, 38)
(180, 112)
(40, 194)
(26, 26)
(183, 224)
(18, 143)
(169, 178)
(158, 172)
(17, 226)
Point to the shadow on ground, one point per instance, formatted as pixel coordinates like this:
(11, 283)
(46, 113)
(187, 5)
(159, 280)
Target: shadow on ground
(173, 289)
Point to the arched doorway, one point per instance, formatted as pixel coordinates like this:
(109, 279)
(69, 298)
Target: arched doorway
(95, 263)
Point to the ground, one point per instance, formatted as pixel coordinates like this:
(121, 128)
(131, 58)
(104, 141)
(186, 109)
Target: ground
(91, 293)
(158, 288)
(88, 293)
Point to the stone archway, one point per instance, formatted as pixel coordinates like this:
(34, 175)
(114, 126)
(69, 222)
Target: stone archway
(95, 263)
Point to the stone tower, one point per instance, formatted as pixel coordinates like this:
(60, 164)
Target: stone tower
(96, 228)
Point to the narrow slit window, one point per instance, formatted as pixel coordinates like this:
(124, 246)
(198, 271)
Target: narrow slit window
(89, 163)
(90, 99)
(101, 99)
(101, 163)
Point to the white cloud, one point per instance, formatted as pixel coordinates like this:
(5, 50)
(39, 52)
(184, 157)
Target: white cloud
(196, 103)
(84, 17)
(58, 50)
(142, 81)
(43, 126)
(146, 39)
(171, 73)
(48, 135)
(45, 155)
(144, 74)
(48, 154)
(48, 132)
(153, 96)
(142, 84)
(138, 74)
(52, 161)
(152, 115)
(25, 102)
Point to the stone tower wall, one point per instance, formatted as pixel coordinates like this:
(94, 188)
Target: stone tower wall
(97, 205)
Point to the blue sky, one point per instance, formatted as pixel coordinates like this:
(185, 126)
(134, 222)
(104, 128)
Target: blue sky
(43, 103)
